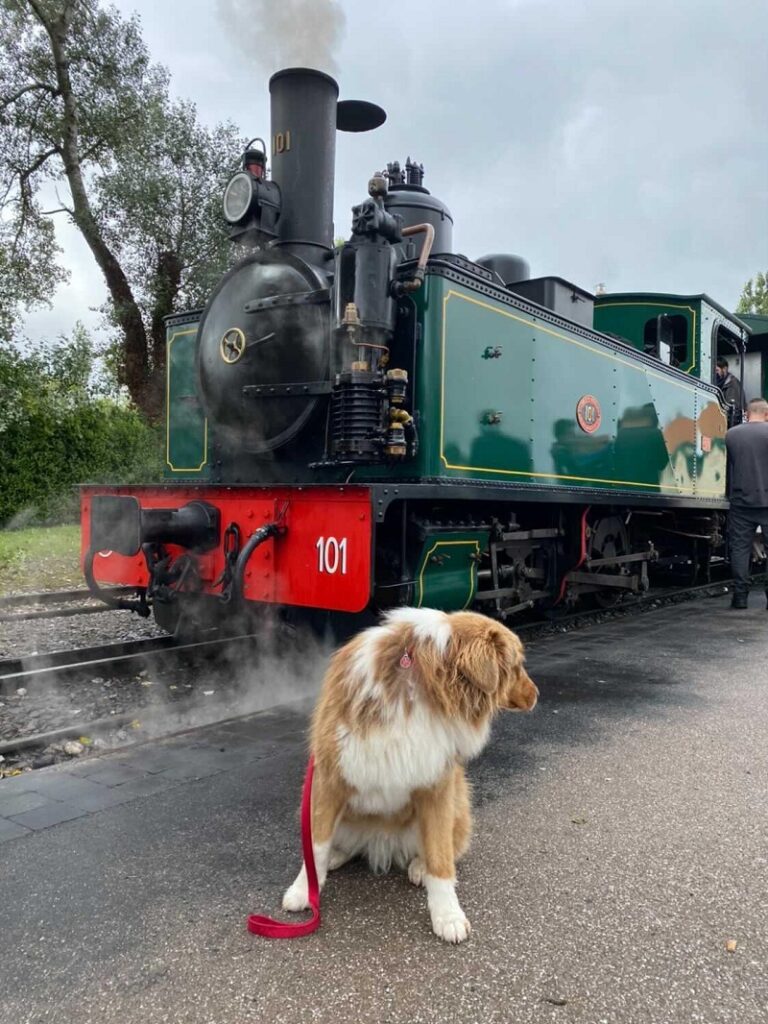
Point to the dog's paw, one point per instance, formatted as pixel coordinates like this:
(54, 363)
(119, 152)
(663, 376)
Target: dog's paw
(452, 927)
(296, 898)
(417, 870)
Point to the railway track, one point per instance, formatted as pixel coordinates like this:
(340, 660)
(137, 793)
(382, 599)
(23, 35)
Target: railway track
(54, 604)
(629, 603)
(154, 653)
(132, 654)
(79, 667)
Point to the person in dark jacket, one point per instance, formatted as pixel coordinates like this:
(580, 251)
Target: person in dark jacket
(730, 387)
(747, 447)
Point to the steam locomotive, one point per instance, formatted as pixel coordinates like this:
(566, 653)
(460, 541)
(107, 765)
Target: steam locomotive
(388, 422)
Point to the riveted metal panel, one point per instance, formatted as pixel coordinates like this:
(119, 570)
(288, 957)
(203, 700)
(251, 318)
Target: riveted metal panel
(502, 386)
(446, 574)
(186, 427)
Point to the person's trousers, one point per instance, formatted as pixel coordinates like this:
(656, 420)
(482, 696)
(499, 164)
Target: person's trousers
(742, 523)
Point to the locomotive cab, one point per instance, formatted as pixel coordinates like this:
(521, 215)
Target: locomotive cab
(688, 332)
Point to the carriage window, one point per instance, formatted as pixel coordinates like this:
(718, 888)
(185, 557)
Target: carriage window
(666, 338)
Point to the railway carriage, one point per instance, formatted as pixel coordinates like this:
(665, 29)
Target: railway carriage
(389, 422)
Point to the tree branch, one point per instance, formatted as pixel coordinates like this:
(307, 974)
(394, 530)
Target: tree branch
(94, 148)
(39, 14)
(26, 173)
(6, 101)
(37, 163)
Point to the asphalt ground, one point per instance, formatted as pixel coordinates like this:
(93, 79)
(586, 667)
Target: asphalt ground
(620, 846)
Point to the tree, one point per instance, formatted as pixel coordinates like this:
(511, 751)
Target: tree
(29, 273)
(60, 425)
(754, 296)
(85, 111)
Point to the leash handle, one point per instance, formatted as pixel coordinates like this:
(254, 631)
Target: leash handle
(268, 927)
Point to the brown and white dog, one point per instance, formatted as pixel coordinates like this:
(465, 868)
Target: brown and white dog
(402, 707)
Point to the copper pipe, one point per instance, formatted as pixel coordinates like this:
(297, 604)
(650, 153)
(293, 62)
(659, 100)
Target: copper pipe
(429, 232)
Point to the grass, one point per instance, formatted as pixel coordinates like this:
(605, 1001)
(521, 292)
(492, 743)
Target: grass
(40, 558)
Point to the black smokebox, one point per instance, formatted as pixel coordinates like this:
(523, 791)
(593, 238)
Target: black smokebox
(304, 106)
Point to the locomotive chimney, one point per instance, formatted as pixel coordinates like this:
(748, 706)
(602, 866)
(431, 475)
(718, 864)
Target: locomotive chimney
(304, 103)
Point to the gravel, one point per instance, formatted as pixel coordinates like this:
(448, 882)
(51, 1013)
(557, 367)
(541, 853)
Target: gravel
(40, 636)
(40, 708)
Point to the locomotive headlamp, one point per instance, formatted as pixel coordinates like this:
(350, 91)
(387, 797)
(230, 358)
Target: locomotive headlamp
(255, 160)
(238, 196)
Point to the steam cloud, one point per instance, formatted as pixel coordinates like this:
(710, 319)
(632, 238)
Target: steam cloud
(285, 33)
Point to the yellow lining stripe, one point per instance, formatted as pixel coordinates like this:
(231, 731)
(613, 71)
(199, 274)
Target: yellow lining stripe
(445, 544)
(690, 388)
(665, 305)
(179, 469)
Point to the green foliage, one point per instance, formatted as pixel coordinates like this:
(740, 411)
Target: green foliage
(754, 296)
(29, 273)
(161, 210)
(59, 427)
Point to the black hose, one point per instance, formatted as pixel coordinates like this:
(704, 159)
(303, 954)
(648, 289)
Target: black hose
(256, 538)
(139, 606)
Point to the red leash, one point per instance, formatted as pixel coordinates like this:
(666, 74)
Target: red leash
(268, 926)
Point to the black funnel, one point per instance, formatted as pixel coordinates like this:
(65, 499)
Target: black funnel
(303, 158)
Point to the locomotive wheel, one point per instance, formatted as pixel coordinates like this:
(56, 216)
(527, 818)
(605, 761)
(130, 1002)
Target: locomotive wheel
(609, 538)
(533, 574)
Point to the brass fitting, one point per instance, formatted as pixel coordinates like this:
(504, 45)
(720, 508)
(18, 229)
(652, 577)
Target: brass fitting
(351, 316)
(397, 383)
(378, 186)
(400, 416)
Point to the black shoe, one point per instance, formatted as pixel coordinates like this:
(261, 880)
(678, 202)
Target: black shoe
(738, 602)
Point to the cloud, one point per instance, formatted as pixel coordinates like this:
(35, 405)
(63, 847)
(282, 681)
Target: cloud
(603, 141)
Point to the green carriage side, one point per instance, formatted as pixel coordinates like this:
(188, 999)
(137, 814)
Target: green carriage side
(501, 385)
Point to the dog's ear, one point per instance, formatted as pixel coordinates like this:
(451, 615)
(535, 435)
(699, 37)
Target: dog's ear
(477, 661)
(482, 651)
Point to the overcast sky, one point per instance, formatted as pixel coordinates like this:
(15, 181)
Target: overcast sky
(617, 142)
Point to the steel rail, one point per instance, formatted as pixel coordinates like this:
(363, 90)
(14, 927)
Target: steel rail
(663, 595)
(39, 667)
(56, 596)
(49, 599)
(57, 613)
(43, 739)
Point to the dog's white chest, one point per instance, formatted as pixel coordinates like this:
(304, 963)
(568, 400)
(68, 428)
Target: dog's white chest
(412, 751)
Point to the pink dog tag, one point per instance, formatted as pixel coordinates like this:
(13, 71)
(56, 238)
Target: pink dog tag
(405, 661)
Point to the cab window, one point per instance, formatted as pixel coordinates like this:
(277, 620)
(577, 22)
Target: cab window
(666, 338)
